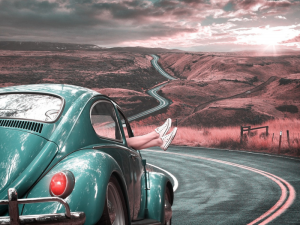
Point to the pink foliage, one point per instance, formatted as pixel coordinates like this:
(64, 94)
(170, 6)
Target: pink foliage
(229, 137)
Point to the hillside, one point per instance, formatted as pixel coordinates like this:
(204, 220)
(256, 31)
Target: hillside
(92, 69)
(212, 89)
(226, 90)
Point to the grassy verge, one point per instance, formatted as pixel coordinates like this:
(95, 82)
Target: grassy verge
(229, 137)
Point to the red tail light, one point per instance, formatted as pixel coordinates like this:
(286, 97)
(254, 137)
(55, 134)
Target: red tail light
(62, 184)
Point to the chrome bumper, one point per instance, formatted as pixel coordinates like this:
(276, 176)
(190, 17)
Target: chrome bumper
(75, 218)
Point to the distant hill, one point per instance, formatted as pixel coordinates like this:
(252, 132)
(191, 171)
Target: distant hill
(52, 46)
(144, 50)
(44, 46)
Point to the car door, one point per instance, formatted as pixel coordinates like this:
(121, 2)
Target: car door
(138, 172)
(107, 127)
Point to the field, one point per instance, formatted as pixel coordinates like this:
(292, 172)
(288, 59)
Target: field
(214, 93)
(108, 72)
(229, 137)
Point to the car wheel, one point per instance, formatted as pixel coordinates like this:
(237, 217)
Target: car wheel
(114, 212)
(168, 207)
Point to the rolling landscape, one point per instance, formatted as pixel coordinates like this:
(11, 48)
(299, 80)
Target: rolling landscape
(210, 91)
(227, 73)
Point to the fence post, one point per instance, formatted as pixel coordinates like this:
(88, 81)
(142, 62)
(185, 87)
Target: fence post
(267, 130)
(273, 138)
(280, 134)
(249, 130)
(288, 136)
(241, 138)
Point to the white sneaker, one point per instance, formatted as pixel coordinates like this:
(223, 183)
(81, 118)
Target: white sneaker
(168, 139)
(163, 129)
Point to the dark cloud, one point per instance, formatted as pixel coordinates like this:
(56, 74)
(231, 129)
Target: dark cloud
(262, 7)
(91, 14)
(108, 22)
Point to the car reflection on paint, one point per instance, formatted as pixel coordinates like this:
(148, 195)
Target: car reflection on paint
(64, 149)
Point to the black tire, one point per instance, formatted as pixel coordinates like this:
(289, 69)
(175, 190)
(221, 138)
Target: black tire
(168, 200)
(115, 210)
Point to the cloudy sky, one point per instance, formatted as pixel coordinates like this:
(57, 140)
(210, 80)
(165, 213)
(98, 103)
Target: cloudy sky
(197, 25)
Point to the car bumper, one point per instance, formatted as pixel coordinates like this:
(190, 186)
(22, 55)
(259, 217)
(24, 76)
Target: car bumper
(14, 218)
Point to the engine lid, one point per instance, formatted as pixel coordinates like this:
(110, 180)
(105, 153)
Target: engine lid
(23, 158)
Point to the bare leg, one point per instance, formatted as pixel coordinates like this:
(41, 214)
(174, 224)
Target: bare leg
(155, 142)
(139, 141)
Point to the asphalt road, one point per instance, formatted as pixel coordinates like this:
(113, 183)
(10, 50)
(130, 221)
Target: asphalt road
(231, 187)
(154, 62)
(163, 102)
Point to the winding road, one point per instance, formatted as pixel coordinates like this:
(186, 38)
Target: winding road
(215, 186)
(230, 187)
(163, 102)
(154, 62)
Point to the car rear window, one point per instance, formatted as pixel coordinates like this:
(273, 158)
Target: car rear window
(41, 107)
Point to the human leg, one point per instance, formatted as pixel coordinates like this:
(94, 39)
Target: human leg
(137, 142)
(140, 142)
(155, 142)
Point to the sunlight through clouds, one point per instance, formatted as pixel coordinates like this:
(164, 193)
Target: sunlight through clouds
(266, 35)
(161, 23)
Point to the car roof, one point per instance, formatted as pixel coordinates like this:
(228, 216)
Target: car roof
(69, 92)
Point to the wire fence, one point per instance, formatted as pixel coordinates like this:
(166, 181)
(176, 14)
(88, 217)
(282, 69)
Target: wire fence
(278, 142)
(292, 138)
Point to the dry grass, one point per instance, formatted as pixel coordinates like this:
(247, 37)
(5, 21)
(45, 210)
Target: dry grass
(229, 137)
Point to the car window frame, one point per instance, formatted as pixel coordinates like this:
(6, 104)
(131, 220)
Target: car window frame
(126, 122)
(37, 93)
(116, 117)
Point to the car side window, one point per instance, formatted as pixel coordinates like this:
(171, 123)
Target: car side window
(104, 120)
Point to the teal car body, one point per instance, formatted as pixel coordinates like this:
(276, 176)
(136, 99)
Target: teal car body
(74, 129)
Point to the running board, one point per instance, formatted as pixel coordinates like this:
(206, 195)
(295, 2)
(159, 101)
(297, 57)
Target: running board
(146, 222)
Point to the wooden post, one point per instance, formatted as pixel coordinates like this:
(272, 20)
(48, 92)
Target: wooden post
(280, 134)
(267, 131)
(241, 138)
(273, 138)
(288, 137)
(249, 130)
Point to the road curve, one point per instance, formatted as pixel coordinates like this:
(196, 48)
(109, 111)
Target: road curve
(154, 62)
(231, 187)
(163, 102)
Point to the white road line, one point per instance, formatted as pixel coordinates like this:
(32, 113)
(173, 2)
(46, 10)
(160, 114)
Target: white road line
(175, 186)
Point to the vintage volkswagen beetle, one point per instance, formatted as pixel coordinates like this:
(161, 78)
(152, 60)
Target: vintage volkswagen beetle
(63, 149)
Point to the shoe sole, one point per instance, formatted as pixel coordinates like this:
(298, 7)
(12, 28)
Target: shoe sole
(170, 140)
(168, 127)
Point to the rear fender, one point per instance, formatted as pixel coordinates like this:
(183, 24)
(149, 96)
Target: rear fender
(92, 170)
(156, 195)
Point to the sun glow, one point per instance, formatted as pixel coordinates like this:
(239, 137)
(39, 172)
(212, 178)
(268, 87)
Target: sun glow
(268, 36)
